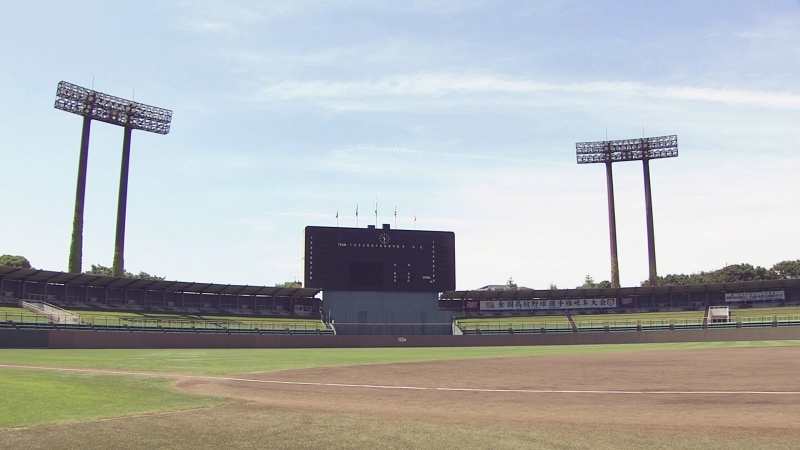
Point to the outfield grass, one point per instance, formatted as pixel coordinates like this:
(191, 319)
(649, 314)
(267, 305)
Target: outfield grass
(62, 407)
(32, 397)
(36, 397)
(227, 361)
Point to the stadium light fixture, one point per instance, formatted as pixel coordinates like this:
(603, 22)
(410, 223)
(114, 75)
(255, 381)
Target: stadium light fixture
(114, 110)
(642, 149)
(130, 115)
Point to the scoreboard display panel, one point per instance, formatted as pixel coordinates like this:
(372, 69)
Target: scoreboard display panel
(379, 259)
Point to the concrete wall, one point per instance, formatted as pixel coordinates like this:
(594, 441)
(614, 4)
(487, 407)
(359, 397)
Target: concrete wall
(10, 338)
(386, 313)
(121, 339)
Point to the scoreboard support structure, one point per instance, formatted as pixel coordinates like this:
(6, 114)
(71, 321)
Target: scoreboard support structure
(381, 281)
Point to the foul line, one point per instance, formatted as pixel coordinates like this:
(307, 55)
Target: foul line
(406, 388)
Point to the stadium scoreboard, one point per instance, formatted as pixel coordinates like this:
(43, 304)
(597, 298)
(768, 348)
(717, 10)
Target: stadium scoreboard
(379, 259)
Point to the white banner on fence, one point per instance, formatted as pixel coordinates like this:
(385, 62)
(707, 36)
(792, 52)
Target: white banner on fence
(763, 296)
(530, 305)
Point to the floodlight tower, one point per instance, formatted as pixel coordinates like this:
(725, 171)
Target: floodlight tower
(117, 111)
(644, 150)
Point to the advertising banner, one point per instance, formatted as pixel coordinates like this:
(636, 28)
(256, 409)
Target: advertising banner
(763, 296)
(538, 305)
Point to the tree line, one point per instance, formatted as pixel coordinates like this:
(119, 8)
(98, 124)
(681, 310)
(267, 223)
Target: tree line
(97, 269)
(783, 270)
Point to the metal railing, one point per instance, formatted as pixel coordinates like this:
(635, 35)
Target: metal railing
(53, 313)
(147, 324)
(622, 325)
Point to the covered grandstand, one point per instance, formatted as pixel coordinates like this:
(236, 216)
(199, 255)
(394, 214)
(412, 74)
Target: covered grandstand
(104, 292)
(648, 298)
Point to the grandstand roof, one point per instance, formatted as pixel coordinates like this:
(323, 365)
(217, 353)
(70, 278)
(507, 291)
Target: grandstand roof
(84, 279)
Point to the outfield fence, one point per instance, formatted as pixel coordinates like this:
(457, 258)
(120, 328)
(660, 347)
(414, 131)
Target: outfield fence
(25, 320)
(499, 326)
(111, 323)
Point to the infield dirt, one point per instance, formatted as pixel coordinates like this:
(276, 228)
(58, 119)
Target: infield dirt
(736, 398)
(665, 388)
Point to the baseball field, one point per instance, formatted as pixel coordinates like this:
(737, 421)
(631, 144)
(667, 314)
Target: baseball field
(689, 395)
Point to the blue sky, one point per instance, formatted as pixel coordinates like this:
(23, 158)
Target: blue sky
(463, 113)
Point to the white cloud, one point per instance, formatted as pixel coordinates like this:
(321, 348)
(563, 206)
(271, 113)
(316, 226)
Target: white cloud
(438, 85)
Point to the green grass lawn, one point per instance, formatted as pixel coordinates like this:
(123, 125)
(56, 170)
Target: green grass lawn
(53, 408)
(554, 322)
(627, 319)
(504, 323)
(766, 312)
(42, 397)
(665, 317)
(119, 318)
(32, 397)
(582, 320)
(226, 361)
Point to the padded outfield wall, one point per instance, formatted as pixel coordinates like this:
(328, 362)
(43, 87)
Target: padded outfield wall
(62, 339)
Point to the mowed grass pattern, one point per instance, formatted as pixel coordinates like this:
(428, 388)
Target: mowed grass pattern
(60, 409)
(32, 397)
(71, 396)
(229, 361)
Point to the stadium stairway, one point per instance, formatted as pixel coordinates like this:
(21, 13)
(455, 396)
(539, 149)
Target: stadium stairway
(572, 323)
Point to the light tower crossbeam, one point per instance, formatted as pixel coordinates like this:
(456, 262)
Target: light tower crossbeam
(130, 115)
(641, 149)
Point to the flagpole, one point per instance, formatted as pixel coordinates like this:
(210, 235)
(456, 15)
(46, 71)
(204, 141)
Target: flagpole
(376, 212)
(337, 218)
(395, 217)
(356, 215)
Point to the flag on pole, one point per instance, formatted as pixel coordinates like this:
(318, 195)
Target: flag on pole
(356, 209)
(376, 211)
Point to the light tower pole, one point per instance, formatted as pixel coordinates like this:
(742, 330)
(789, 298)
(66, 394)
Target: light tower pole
(117, 111)
(644, 150)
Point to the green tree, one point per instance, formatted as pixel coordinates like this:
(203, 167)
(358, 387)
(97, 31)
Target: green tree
(289, 284)
(15, 261)
(147, 276)
(511, 285)
(740, 272)
(98, 269)
(733, 273)
(589, 283)
(787, 269)
(101, 270)
(680, 279)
